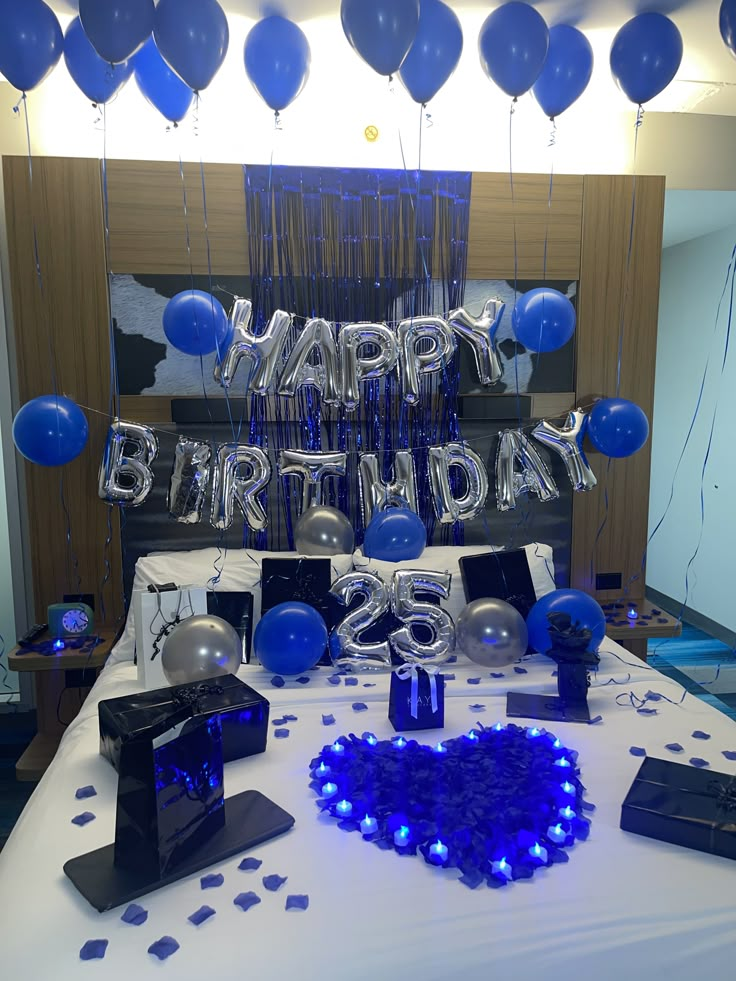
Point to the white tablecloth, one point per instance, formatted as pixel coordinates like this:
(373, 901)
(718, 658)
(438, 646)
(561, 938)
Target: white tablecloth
(623, 907)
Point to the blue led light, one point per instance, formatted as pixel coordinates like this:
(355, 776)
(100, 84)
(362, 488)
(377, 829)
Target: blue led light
(323, 769)
(440, 748)
(329, 789)
(371, 739)
(562, 762)
(59, 645)
(344, 808)
(338, 748)
(531, 733)
(568, 787)
(498, 727)
(473, 735)
(557, 744)
(400, 742)
(536, 849)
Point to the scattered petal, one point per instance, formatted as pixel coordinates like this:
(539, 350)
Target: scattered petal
(277, 681)
(163, 948)
(245, 900)
(673, 747)
(497, 674)
(359, 707)
(472, 878)
(135, 915)
(281, 733)
(351, 681)
(250, 864)
(452, 659)
(297, 902)
(699, 734)
(93, 950)
(697, 761)
(278, 722)
(291, 718)
(200, 915)
(213, 881)
(274, 882)
(730, 754)
(518, 670)
(334, 679)
(473, 681)
(478, 707)
(369, 684)
(652, 696)
(303, 680)
(84, 818)
(85, 792)
(449, 677)
(637, 751)
(328, 720)
(646, 711)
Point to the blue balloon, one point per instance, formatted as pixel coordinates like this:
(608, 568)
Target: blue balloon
(543, 320)
(116, 28)
(195, 323)
(50, 430)
(290, 638)
(566, 71)
(193, 36)
(617, 427)
(727, 24)
(31, 42)
(513, 44)
(645, 56)
(436, 50)
(98, 79)
(394, 535)
(277, 58)
(162, 87)
(381, 31)
(580, 607)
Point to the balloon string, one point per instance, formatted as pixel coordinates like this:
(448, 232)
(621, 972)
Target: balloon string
(627, 270)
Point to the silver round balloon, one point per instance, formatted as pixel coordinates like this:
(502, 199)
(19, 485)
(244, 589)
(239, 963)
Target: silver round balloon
(491, 632)
(201, 647)
(323, 531)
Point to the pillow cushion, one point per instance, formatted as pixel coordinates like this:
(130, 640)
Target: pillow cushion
(240, 570)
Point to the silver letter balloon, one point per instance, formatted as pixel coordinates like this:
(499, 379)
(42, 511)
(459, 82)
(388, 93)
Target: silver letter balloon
(491, 632)
(200, 647)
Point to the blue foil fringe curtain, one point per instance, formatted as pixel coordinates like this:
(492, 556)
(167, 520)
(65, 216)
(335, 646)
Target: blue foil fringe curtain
(355, 245)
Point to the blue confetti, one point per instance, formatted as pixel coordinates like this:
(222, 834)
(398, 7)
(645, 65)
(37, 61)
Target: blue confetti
(673, 747)
(200, 915)
(351, 681)
(699, 734)
(473, 681)
(328, 720)
(85, 792)
(291, 718)
(135, 915)
(303, 680)
(359, 707)
(250, 864)
(297, 902)
(278, 722)
(84, 818)
(93, 950)
(277, 681)
(369, 684)
(637, 751)
(646, 711)
(334, 679)
(653, 696)
(163, 948)
(213, 881)
(697, 761)
(245, 900)
(274, 882)
(449, 677)
(730, 754)
(478, 707)
(497, 674)
(281, 733)
(520, 671)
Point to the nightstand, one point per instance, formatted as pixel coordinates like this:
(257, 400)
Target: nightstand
(55, 699)
(651, 623)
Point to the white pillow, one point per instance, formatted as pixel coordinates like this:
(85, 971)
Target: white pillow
(445, 558)
(241, 570)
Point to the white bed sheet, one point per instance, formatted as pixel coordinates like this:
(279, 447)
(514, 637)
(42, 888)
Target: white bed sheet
(623, 907)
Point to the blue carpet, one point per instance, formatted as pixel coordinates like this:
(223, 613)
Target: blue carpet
(684, 658)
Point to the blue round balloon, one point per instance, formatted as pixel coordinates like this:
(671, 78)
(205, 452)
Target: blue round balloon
(581, 608)
(116, 28)
(436, 50)
(50, 430)
(645, 56)
(193, 37)
(277, 59)
(31, 42)
(512, 45)
(98, 79)
(617, 427)
(394, 535)
(727, 24)
(162, 87)
(543, 320)
(381, 31)
(566, 71)
(196, 323)
(290, 638)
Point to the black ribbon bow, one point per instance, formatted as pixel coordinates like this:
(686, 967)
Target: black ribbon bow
(192, 695)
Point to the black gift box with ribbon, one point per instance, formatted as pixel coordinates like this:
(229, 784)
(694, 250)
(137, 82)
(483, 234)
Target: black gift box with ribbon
(242, 711)
(416, 699)
(695, 808)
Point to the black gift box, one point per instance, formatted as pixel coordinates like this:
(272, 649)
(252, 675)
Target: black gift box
(242, 711)
(399, 703)
(684, 806)
(301, 581)
(501, 574)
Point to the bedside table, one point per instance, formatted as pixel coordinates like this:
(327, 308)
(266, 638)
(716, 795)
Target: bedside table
(651, 623)
(49, 680)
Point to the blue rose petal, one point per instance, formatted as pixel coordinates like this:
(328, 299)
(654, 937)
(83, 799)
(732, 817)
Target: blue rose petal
(163, 948)
(699, 734)
(291, 718)
(334, 679)
(497, 674)
(328, 720)
(303, 680)
(473, 681)
(477, 707)
(674, 747)
(250, 864)
(277, 681)
(297, 902)
(359, 707)
(200, 915)
(274, 882)
(245, 900)
(135, 915)
(213, 881)
(281, 733)
(84, 818)
(637, 751)
(351, 681)
(697, 761)
(520, 671)
(93, 950)
(278, 722)
(84, 792)
(730, 754)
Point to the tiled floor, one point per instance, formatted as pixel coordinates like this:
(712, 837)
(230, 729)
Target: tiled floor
(701, 664)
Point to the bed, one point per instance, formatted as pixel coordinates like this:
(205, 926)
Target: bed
(623, 905)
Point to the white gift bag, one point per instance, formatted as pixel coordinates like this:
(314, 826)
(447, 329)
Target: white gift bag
(155, 615)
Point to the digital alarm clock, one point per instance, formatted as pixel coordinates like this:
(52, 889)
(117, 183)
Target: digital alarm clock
(70, 619)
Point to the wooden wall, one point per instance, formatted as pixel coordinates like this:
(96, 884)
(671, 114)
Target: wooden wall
(587, 230)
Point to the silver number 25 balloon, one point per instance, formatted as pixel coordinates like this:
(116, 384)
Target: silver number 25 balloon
(346, 648)
(405, 585)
